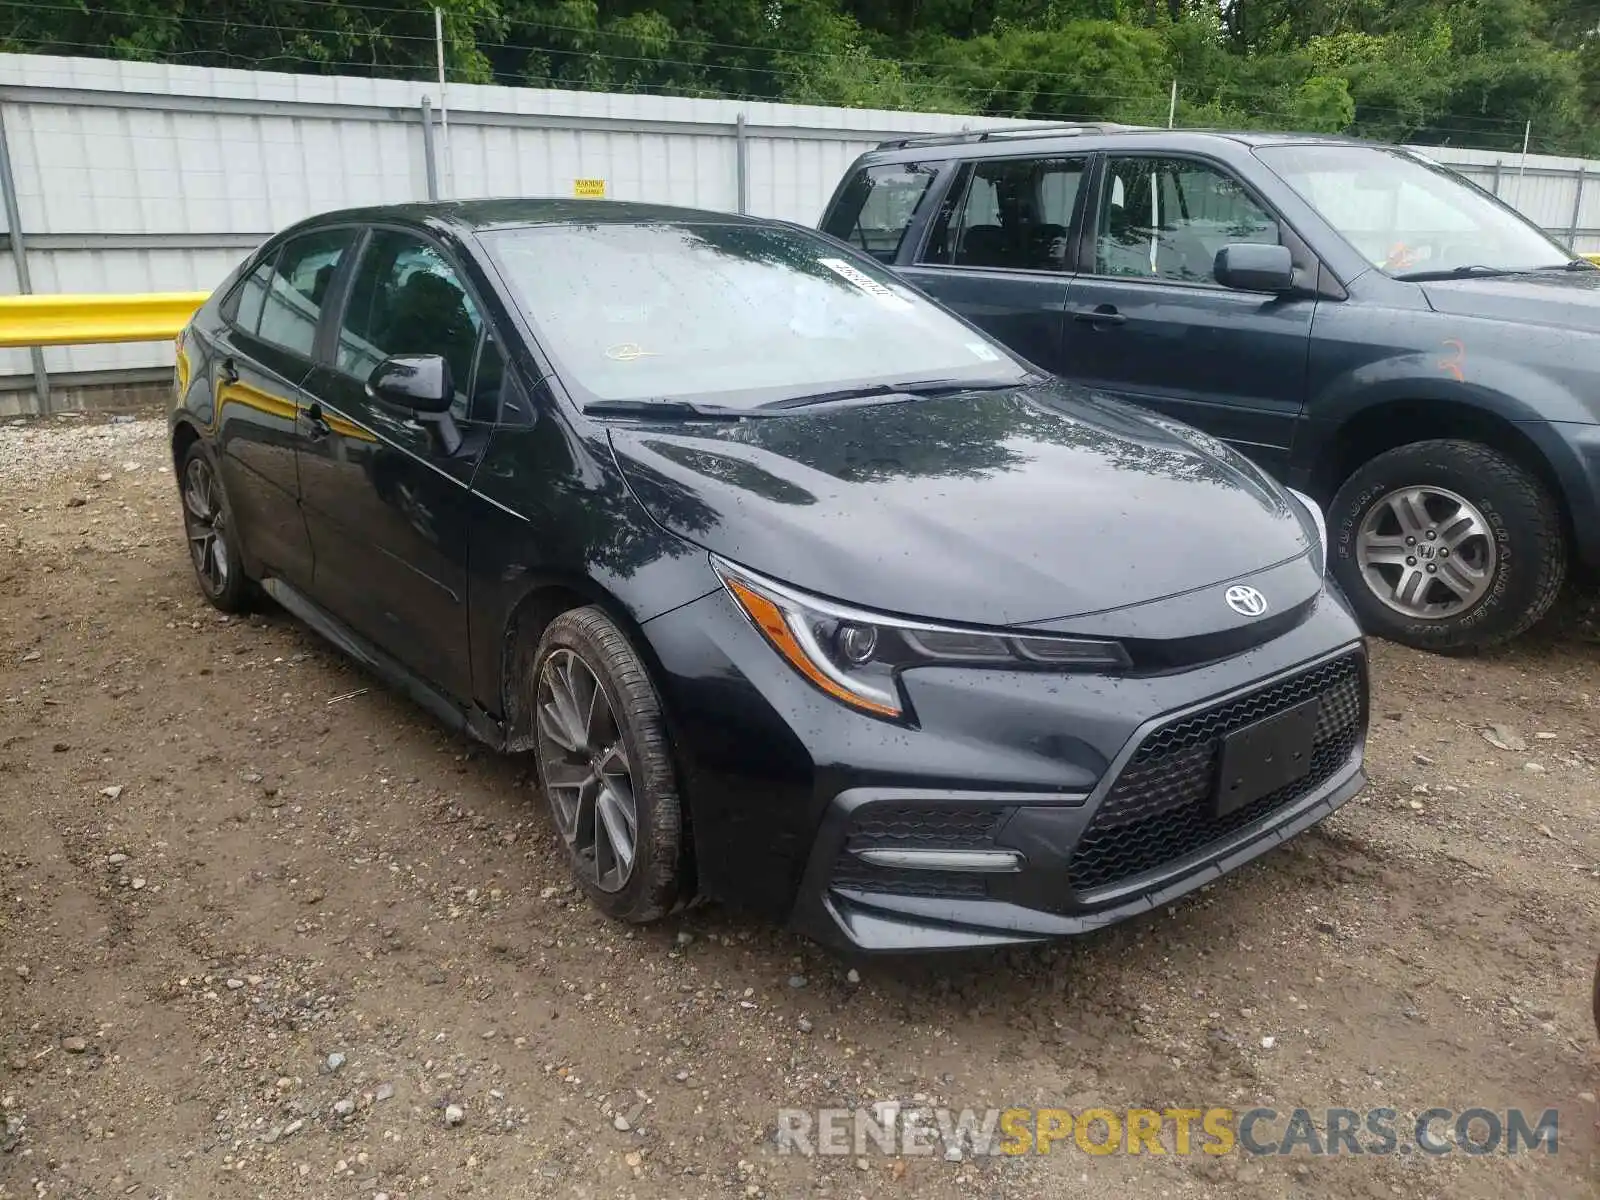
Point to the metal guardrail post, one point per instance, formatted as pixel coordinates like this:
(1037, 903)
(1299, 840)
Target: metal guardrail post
(19, 259)
(1577, 209)
(1495, 186)
(741, 164)
(430, 164)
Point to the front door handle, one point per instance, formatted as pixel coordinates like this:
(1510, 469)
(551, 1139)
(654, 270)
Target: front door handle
(228, 371)
(1104, 314)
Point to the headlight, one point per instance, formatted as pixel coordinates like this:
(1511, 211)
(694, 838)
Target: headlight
(856, 656)
(1318, 524)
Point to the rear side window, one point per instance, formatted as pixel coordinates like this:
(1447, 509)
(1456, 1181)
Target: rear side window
(1008, 213)
(298, 287)
(876, 207)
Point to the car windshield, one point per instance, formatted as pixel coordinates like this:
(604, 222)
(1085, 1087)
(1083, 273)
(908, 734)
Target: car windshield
(1407, 216)
(737, 315)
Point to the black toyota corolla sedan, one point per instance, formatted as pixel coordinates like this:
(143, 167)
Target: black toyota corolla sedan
(801, 591)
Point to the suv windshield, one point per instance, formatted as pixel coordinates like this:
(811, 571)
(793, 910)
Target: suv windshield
(736, 315)
(1409, 216)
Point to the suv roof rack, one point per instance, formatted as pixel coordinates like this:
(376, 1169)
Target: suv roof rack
(1058, 129)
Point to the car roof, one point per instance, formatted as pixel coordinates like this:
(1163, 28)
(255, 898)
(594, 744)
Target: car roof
(1014, 139)
(515, 212)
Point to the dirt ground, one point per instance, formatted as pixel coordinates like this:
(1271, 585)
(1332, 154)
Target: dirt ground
(267, 931)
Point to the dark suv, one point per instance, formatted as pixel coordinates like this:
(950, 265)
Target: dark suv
(1375, 329)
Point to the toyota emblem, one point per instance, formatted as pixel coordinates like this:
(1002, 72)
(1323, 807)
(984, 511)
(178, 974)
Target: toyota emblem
(1246, 601)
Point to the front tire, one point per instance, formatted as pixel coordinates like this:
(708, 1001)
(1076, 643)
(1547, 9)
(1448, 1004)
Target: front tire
(605, 767)
(1447, 545)
(209, 529)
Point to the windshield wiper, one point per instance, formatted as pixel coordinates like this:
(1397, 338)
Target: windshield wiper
(1572, 264)
(669, 410)
(923, 387)
(1470, 271)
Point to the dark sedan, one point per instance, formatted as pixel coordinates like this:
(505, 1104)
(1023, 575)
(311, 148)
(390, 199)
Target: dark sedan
(802, 591)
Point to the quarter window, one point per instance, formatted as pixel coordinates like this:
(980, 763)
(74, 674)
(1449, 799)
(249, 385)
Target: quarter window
(243, 306)
(1165, 218)
(297, 288)
(876, 207)
(406, 298)
(1008, 213)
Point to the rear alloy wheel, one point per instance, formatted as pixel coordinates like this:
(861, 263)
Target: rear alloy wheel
(605, 768)
(1447, 545)
(207, 524)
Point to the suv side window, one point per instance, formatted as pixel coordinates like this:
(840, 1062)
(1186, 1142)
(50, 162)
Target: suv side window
(298, 286)
(1166, 218)
(1008, 213)
(877, 205)
(406, 298)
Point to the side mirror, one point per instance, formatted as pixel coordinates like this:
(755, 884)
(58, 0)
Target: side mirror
(419, 382)
(1252, 267)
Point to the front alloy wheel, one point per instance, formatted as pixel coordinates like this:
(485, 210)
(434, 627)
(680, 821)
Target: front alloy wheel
(1447, 545)
(605, 766)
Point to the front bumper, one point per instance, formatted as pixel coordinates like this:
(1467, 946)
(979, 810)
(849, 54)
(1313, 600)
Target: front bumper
(1100, 786)
(1143, 837)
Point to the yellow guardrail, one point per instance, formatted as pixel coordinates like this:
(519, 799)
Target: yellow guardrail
(85, 319)
(1594, 258)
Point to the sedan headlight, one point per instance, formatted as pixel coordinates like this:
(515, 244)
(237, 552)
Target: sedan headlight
(856, 656)
(1315, 523)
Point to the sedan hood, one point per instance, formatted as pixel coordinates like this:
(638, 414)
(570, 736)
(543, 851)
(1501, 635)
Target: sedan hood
(986, 507)
(1561, 299)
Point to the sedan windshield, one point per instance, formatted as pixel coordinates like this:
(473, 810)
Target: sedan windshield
(734, 315)
(1411, 217)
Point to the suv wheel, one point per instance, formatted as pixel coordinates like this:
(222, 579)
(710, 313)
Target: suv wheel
(605, 768)
(1446, 545)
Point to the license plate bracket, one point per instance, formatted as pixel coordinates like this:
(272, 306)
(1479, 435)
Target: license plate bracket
(1266, 755)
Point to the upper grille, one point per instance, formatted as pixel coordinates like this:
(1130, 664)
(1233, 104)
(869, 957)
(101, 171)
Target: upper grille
(1160, 808)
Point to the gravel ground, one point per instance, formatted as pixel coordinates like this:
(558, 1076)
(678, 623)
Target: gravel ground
(265, 930)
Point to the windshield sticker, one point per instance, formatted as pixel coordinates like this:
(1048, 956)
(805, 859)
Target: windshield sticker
(979, 350)
(865, 282)
(629, 352)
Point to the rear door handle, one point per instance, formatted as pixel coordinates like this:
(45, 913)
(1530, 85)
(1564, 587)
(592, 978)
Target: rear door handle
(1105, 314)
(317, 426)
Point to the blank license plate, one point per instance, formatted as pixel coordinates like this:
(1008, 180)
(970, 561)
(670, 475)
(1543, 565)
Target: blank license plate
(1263, 757)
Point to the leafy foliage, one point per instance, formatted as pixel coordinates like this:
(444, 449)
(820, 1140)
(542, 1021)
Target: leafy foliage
(1434, 71)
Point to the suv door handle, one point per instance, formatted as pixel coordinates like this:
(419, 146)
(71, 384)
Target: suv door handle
(1104, 314)
(228, 371)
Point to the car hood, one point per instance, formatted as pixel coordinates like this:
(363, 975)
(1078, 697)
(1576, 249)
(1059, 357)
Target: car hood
(990, 507)
(1566, 300)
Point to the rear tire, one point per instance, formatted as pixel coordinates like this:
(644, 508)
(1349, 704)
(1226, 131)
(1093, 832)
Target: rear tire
(209, 532)
(605, 766)
(1447, 545)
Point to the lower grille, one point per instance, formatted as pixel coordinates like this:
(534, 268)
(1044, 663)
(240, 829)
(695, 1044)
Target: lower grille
(905, 827)
(1161, 807)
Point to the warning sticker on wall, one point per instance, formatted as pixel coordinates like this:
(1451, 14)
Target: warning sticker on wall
(590, 189)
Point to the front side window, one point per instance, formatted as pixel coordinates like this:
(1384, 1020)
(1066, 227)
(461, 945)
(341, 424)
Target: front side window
(1008, 213)
(406, 298)
(876, 207)
(736, 315)
(298, 287)
(1166, 218)
(1405, 215)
